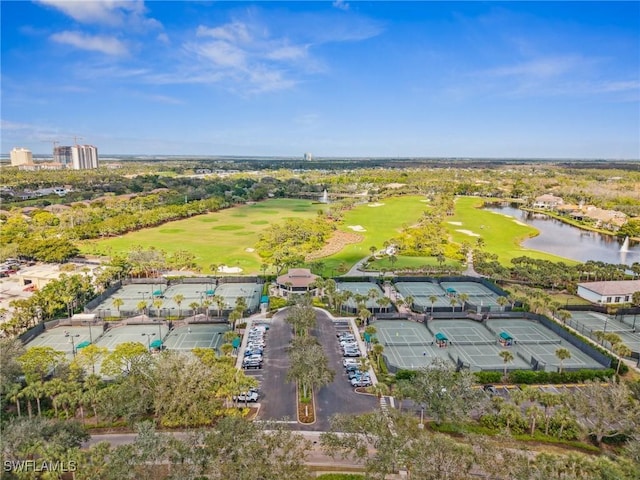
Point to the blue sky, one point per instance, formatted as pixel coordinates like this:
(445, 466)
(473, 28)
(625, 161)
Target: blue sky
(343, 78)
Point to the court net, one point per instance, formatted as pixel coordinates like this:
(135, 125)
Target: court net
(537, 342)
(406, 344)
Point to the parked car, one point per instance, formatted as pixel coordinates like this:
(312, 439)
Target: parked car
(250, 396)
(360, 382)
(490, 389)
(355, 373)
(257, 364)
(351, 353)
(349, 361)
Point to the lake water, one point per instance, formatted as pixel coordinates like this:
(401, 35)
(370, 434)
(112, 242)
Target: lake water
(571, 242)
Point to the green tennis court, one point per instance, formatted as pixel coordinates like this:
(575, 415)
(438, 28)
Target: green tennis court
(188, 337)
(462, 332)
(65, 339)
(144, 334)
(522, 330)
(360, 288)
(624, 326)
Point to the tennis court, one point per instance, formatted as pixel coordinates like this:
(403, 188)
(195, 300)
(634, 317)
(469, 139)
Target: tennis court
(422, 294)
(407, 344)
(144, 334)
(160, 300)
(546, 356)
(360, 288)
(65, 339)
(487, 357)
(232, 291)
(522, 331)
(462, 332)
(470, 288)
(587, 323)
(188, 337)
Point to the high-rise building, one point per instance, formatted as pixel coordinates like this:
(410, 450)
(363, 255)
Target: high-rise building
(84, 157)
(308, 157)
(21, 156)
(62, 155)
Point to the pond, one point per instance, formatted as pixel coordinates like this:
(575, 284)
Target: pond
(571, 242)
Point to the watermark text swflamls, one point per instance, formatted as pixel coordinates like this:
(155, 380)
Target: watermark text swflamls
(22, 466)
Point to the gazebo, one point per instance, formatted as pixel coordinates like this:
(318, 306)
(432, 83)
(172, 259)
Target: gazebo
(505, 339)
(296, 281)
(441, 340)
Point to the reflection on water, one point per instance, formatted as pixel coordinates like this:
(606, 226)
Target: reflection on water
(571, 242)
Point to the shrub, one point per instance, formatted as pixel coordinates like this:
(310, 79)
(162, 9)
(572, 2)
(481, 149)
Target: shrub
(485, 377)
(405, 374)
(276, 303)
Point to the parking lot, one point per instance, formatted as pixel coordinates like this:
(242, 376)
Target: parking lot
(278, 397)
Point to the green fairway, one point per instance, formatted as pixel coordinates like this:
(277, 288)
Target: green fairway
(501, 235)
(226, 237)
(379, 224)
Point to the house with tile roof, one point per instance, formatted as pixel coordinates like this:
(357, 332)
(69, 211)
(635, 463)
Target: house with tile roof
(609, 293)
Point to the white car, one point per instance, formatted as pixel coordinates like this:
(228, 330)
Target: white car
(250, 396)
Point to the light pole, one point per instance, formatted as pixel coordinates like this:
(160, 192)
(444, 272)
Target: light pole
(149, 335)
(72, 342)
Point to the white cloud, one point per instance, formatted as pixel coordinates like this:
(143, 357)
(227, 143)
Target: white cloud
(107, 12)
(341, 4)
(236, 32)
(539, 68)
(95, 43)
(221, 53)
(287, 52)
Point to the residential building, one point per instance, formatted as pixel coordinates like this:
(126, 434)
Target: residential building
(84, 157)
(611, 292)
(21, 156)
(547, 201)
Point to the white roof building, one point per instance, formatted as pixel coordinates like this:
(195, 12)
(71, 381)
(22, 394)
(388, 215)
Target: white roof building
(612, 292)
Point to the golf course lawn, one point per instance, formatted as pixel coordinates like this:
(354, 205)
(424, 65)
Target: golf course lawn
(380, 222)
(501, 234)
(226, 237)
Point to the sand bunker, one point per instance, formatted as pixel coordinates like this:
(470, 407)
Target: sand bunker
(225, 269)
(375, 204)
(249, 249)
(357, 228)
(520, 223)
(455, 223)
(468, 232)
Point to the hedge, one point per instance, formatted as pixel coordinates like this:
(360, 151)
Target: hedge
(529, 377)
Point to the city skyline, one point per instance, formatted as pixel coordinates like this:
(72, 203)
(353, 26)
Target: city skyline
(356, 79)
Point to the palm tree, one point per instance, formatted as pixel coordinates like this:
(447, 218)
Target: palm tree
(507, 357)
(462, 298)
(392, 260)
(502, 301)
(118, 302)
(377, 350)
(226, 349)
(157, 303)
(373, 249)
(453, 301)
(563, 315)
(179, 298)
(194, 307)
(142, 306)
(621, 350)
(433, 299)
(562, 354)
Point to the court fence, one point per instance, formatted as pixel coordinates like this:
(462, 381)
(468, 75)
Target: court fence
(590, 333)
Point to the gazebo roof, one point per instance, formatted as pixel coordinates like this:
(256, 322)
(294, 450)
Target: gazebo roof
(297, 277)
